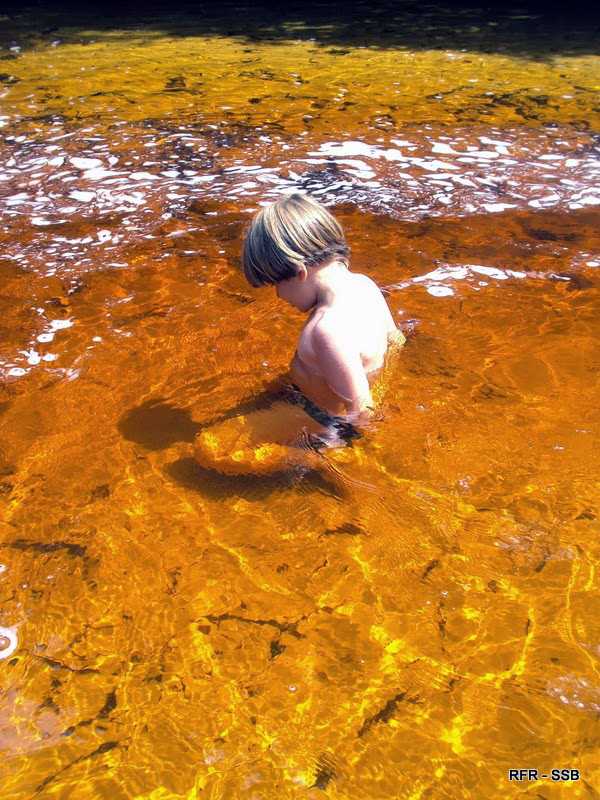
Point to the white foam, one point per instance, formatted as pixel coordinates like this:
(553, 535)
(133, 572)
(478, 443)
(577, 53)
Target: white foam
(440, 291)
(60, 324)
(83, 197)
(33, 357)
(97, 174)
(491, 272)
(143, 176)
(493, 208)
(393, 155)
(439, 147)
(85, 163)
(351, 148)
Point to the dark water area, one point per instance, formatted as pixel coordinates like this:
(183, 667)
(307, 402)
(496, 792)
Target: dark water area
(530, 28)
(418, 615)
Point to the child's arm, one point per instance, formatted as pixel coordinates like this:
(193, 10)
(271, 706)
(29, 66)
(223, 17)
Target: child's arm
(341, 366)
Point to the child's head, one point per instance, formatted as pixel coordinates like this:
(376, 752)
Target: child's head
(288, 236)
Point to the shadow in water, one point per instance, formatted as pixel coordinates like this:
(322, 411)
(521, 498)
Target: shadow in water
(258, 402)
(535, 29)
(157, 425)
(210, 483)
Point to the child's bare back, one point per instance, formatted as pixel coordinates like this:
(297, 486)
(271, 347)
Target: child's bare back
(343, 345)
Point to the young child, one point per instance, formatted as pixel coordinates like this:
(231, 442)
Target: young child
(296, 245)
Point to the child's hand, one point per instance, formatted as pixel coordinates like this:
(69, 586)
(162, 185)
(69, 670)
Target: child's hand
(361, 413)
(396, 337)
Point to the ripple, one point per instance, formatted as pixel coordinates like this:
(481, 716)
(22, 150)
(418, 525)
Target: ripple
(441, 281)
(472, 171)
(78, 204)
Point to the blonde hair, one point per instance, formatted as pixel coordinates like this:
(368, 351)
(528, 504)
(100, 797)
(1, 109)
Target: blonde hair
(287, 234)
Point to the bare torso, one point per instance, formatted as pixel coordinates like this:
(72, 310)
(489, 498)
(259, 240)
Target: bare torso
(361, 315)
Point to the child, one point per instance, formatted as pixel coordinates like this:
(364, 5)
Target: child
(296, 245)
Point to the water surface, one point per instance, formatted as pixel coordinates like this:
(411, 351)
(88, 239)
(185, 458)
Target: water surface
(170, 632)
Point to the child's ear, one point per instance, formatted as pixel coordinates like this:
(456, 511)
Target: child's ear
(302, 273)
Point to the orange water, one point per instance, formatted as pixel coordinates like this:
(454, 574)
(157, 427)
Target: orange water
(411, 631)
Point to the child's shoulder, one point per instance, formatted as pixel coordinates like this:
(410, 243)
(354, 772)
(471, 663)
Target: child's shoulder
(380, 308)
(366, 284)
(361, 278)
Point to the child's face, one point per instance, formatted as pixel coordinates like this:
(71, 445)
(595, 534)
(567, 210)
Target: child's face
(298, 292)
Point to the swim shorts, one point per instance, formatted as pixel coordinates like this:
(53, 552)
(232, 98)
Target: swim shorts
(338, 429)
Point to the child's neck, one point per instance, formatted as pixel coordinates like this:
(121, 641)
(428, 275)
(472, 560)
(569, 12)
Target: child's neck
(330, 281)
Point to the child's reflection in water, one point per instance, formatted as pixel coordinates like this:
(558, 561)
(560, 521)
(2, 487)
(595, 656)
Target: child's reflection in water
(326, 399)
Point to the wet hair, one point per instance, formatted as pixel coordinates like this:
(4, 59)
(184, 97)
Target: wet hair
(287, 234)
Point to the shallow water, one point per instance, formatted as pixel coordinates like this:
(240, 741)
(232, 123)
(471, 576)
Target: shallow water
(166, 631)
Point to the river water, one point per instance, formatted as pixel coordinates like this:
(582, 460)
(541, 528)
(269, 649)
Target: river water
(170, 632)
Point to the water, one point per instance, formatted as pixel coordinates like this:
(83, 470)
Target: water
(169, 632)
